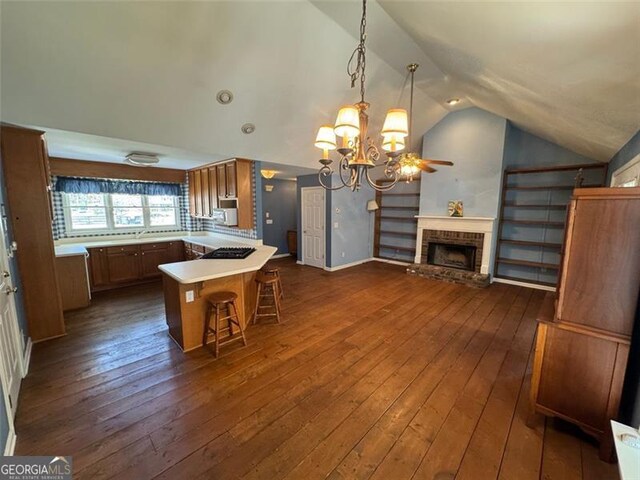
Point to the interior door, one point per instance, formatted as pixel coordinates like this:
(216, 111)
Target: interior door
(10, 338)
(313, 226)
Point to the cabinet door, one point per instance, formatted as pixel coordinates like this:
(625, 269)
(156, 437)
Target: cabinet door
(98, 267)
(206, 204)
(124, 266)
(213, 188)
(192, 194)
(230, 170)
(222, 182)
(197, 191)
(150, 259)
(175, 252)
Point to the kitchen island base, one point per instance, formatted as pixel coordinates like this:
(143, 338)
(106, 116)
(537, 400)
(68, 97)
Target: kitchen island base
(186, 305)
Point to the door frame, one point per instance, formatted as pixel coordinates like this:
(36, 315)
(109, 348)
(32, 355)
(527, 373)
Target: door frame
(324, 220)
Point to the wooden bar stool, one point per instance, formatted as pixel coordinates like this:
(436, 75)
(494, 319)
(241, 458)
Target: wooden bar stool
(274, 271)
(217, 302)
(268, 287)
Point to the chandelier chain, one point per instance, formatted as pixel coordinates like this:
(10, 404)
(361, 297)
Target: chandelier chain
(359, 55)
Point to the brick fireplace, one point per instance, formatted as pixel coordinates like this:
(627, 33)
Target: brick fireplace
(454, 249)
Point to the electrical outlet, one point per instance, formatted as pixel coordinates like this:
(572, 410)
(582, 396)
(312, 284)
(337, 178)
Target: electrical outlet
(336, 225)
(189, 296)
(342, 254)
(267, 214)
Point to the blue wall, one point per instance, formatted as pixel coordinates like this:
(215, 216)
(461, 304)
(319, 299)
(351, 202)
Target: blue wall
(626, 153)
(353, 237)
(280, 204)
(474, 140)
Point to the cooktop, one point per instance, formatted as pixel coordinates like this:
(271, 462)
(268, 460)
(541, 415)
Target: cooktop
(229, 252)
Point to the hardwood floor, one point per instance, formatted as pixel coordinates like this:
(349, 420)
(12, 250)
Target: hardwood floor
(372, 374)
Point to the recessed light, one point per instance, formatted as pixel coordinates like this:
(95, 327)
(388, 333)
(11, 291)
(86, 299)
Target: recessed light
(141, 159)
(248, 128)
(224, 97)
(453, 101)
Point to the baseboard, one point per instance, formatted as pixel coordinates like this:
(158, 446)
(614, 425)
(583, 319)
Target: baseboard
(347, 265)
(10, 446)
(26, 359)
(299, 262)
(392, 262)
(524, 284)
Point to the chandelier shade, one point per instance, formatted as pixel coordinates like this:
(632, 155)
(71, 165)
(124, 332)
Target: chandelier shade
(348, 122)
(396, 123)
(326, 138)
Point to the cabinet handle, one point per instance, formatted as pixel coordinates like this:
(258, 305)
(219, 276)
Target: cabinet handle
(10, 290)
(142, 253)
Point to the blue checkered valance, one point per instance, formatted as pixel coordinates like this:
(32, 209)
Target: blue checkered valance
(95, 185)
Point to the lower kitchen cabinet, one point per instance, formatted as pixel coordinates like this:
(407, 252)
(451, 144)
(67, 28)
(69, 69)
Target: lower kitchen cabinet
(112, 267)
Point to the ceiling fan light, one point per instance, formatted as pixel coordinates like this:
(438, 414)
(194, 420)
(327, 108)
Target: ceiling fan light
(347, 122)
(396, 123)
(326, 138)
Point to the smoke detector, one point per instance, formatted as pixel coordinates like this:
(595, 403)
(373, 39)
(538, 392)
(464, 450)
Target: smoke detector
(248, 128)
(141, 159)
(224, 97)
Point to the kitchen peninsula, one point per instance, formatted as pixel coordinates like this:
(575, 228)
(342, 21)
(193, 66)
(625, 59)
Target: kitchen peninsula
(187, 284)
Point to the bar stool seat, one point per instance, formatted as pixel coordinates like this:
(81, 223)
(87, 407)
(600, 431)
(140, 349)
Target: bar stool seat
(268, 287)
(275, 271)
(217, 302)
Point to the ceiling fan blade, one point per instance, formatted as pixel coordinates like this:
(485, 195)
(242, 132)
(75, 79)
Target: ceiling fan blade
(437, 162)
(426, 168)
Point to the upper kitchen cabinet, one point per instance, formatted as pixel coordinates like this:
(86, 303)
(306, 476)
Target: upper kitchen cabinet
(26, 174)
(222, 185)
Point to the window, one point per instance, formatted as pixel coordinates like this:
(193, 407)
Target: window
(116, 213)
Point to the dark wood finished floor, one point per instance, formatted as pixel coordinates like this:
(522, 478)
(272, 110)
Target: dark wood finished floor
(373, 374)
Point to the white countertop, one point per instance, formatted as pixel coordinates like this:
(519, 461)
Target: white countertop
(194, 271)
(628, 457)
(70, 250)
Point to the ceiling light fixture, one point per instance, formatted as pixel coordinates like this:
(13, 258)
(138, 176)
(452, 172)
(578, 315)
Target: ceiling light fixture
(358, 153)
(453, 101)
(141, 159)
(268, 174)
(248, 128)
(224, 97)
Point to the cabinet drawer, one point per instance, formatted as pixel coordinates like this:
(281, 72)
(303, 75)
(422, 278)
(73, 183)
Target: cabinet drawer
(122, 249)
(146, 247)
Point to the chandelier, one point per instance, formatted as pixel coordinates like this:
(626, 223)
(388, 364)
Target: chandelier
(358, 153)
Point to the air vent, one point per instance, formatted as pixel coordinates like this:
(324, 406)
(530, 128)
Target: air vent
(141, 159)
(248, 128)
(224, 97)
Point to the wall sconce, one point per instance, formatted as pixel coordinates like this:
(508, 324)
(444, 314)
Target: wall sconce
(268, 188)
(268, 174)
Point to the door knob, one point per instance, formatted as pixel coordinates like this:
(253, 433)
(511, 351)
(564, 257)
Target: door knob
(10, 290)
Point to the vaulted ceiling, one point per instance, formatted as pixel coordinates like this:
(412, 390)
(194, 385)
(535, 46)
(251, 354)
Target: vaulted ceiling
(148, 72)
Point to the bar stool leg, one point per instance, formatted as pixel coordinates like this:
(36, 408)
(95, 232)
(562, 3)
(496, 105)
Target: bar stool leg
(280, 287)
(258, 292)
(217, 331)
(237, 318)
(229, 322)
(207, 322)
(276, 300)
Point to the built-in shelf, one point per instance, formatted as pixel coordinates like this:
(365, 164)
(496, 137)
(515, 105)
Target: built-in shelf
(526, 243)
(384, 257)
(398, 219)
(552, 195)
(402, 194)
(398, 234)
(536, 206)
(389, 207)
(527, 263)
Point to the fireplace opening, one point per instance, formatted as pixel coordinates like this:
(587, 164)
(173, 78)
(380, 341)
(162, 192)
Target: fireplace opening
(462, 257)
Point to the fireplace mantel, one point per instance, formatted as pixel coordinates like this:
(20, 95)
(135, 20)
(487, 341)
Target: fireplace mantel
(483, 225)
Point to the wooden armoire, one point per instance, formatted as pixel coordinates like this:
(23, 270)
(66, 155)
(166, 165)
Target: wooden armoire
(28, 184)
(584, 331)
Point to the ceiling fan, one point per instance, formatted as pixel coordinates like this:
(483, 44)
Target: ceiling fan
(411, 163)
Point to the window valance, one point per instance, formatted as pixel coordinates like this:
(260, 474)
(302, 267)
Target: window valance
(94, 185)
